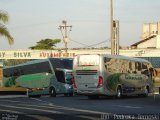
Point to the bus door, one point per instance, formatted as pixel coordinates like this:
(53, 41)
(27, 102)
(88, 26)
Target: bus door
(86, 72)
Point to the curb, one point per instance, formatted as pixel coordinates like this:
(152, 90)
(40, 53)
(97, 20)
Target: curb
(12, 96)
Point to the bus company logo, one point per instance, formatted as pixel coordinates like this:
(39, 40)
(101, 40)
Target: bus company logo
(132, 77)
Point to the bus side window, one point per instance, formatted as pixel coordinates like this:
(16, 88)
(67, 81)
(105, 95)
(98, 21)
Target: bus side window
(15, 73)
(130, 67)
(138, 67)
(106, 59)
(6, 73)
(145, 70)
(151, 71)
(106, 62)
(60, 76)
(21, 72)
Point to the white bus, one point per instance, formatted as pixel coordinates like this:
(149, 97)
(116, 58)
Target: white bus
(98, 75)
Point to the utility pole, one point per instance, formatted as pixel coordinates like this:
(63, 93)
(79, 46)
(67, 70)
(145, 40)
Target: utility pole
(114, 32)
(116, 36)
(64, 31)
(111, 25)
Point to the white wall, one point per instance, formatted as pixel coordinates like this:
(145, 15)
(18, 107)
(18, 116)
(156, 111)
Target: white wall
(148, 44)
(158, 41)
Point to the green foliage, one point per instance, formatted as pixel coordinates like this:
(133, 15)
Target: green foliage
(46, 44)
(3, 30)
(3, 16)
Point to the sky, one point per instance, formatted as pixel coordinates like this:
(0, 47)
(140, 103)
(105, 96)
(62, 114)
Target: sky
(33, 20)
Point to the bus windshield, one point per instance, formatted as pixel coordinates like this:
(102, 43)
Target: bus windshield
(88, 60)
(62, 63)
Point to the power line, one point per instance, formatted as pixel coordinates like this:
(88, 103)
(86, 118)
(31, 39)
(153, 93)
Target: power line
(78, 42)
(99, 43)
(85, 45)
(51, 22)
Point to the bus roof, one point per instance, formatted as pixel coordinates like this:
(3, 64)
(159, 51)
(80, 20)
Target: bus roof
(33, 62)
(26, 63)
(121, 57)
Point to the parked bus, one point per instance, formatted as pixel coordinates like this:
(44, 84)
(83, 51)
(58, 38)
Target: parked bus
(40, 77)
(99, 75)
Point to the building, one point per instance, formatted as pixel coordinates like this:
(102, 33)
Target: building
(150, 37)
(150, 29)
(153, 55)
(150, 42)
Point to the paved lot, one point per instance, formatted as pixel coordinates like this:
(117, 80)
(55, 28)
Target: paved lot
(79, 107)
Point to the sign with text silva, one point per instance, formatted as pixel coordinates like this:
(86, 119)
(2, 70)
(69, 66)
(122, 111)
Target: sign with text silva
(33, 54)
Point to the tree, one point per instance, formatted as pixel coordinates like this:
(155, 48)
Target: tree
(3, 30)
(47, 44)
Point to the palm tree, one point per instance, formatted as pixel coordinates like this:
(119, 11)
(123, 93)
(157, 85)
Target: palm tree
(3, 30)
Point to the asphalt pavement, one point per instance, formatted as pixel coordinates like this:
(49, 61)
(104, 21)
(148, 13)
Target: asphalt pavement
(80, 108)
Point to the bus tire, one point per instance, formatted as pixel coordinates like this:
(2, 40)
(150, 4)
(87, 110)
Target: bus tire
(34, 96)
(70, 94)
(52, 92)
(65, 94)
(29, 96)
(119, 92)
(37, 96)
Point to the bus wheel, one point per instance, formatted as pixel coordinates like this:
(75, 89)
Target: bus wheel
(29, 96)
(146, 91)
(119, 92)
(65, 94)
(34, 96)
(70, 94)
(37, 96)
(52, 92)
